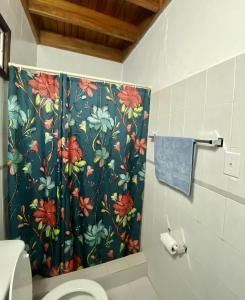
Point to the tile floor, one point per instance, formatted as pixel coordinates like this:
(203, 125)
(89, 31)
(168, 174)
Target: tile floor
(140, 289)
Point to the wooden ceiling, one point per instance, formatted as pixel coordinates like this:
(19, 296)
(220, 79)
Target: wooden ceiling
(107, 29)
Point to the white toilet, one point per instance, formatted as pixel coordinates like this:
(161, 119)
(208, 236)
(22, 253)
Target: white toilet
(16, 278)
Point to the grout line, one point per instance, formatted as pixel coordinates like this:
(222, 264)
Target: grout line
(233, 104)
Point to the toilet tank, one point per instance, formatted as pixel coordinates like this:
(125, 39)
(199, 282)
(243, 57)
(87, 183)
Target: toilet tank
(15, 271)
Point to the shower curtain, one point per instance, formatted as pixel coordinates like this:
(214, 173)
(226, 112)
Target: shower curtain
(76, 158)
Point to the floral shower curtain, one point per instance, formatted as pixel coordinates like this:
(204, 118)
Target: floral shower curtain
(76, 158)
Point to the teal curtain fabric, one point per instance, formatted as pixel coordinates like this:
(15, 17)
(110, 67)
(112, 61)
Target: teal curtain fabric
(76, 158)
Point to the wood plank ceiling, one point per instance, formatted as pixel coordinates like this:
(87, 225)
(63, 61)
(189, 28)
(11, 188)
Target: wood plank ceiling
(107, 29)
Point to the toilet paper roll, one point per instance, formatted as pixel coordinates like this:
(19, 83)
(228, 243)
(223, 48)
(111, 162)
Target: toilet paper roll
(169, 243)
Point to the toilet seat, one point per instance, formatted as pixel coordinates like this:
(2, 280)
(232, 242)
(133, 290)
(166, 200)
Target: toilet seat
(79, 286)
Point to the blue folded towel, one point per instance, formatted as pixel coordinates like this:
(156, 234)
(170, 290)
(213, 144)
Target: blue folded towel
(175, 161)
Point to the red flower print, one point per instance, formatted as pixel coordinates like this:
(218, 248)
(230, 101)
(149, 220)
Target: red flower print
(75, 192)
(140, 145)
(55, 271)
(110, 254)
(56, 134)
(46, 212)
(124, 237)
(45, 247)
(90, 171)
(49, 262)
(146, 115)
(124, 205)
(133, 246)
(133, 136)
(62, 213)
(71, 152)
(86, 205)
(138, 219)
(34, 146)
(129, 127)
(117, 146)
(72, 265)
(45, 85)
(88, 86)
(48, 123)
(129, 96)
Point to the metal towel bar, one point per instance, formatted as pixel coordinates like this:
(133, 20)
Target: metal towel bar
(217, 143)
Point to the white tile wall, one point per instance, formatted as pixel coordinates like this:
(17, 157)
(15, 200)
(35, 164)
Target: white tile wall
(23, 50)
(239, 83)
(209, 104)
(220, 83)
(238, 134)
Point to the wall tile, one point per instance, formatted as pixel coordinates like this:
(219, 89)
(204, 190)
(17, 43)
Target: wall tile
(220, 83)
(163, 113)
(176, 127)
(154, 106)
(172, 208)
(194, 117)
(165, 274)
(240, 78)
(147, 215)
(188, 205)
(153, 124)
(212, 168)
(234, 225)
(217, 122)
(178, 95)
(238, 132)
(205, 284)
(214, 254)
(165, 100)
(231, 269)
(198, 165)
(196, 90)
(210, 209)
(201, 243)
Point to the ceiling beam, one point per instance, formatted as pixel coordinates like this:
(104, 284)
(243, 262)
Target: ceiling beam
(84, 47)
(75, 14)
(152, 5)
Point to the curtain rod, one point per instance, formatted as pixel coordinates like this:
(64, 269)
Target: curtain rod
(76, 75)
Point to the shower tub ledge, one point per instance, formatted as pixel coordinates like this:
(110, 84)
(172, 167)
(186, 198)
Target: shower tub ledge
(110, 275)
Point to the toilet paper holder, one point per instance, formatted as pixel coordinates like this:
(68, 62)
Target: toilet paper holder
(171, 245)
(182, 249)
